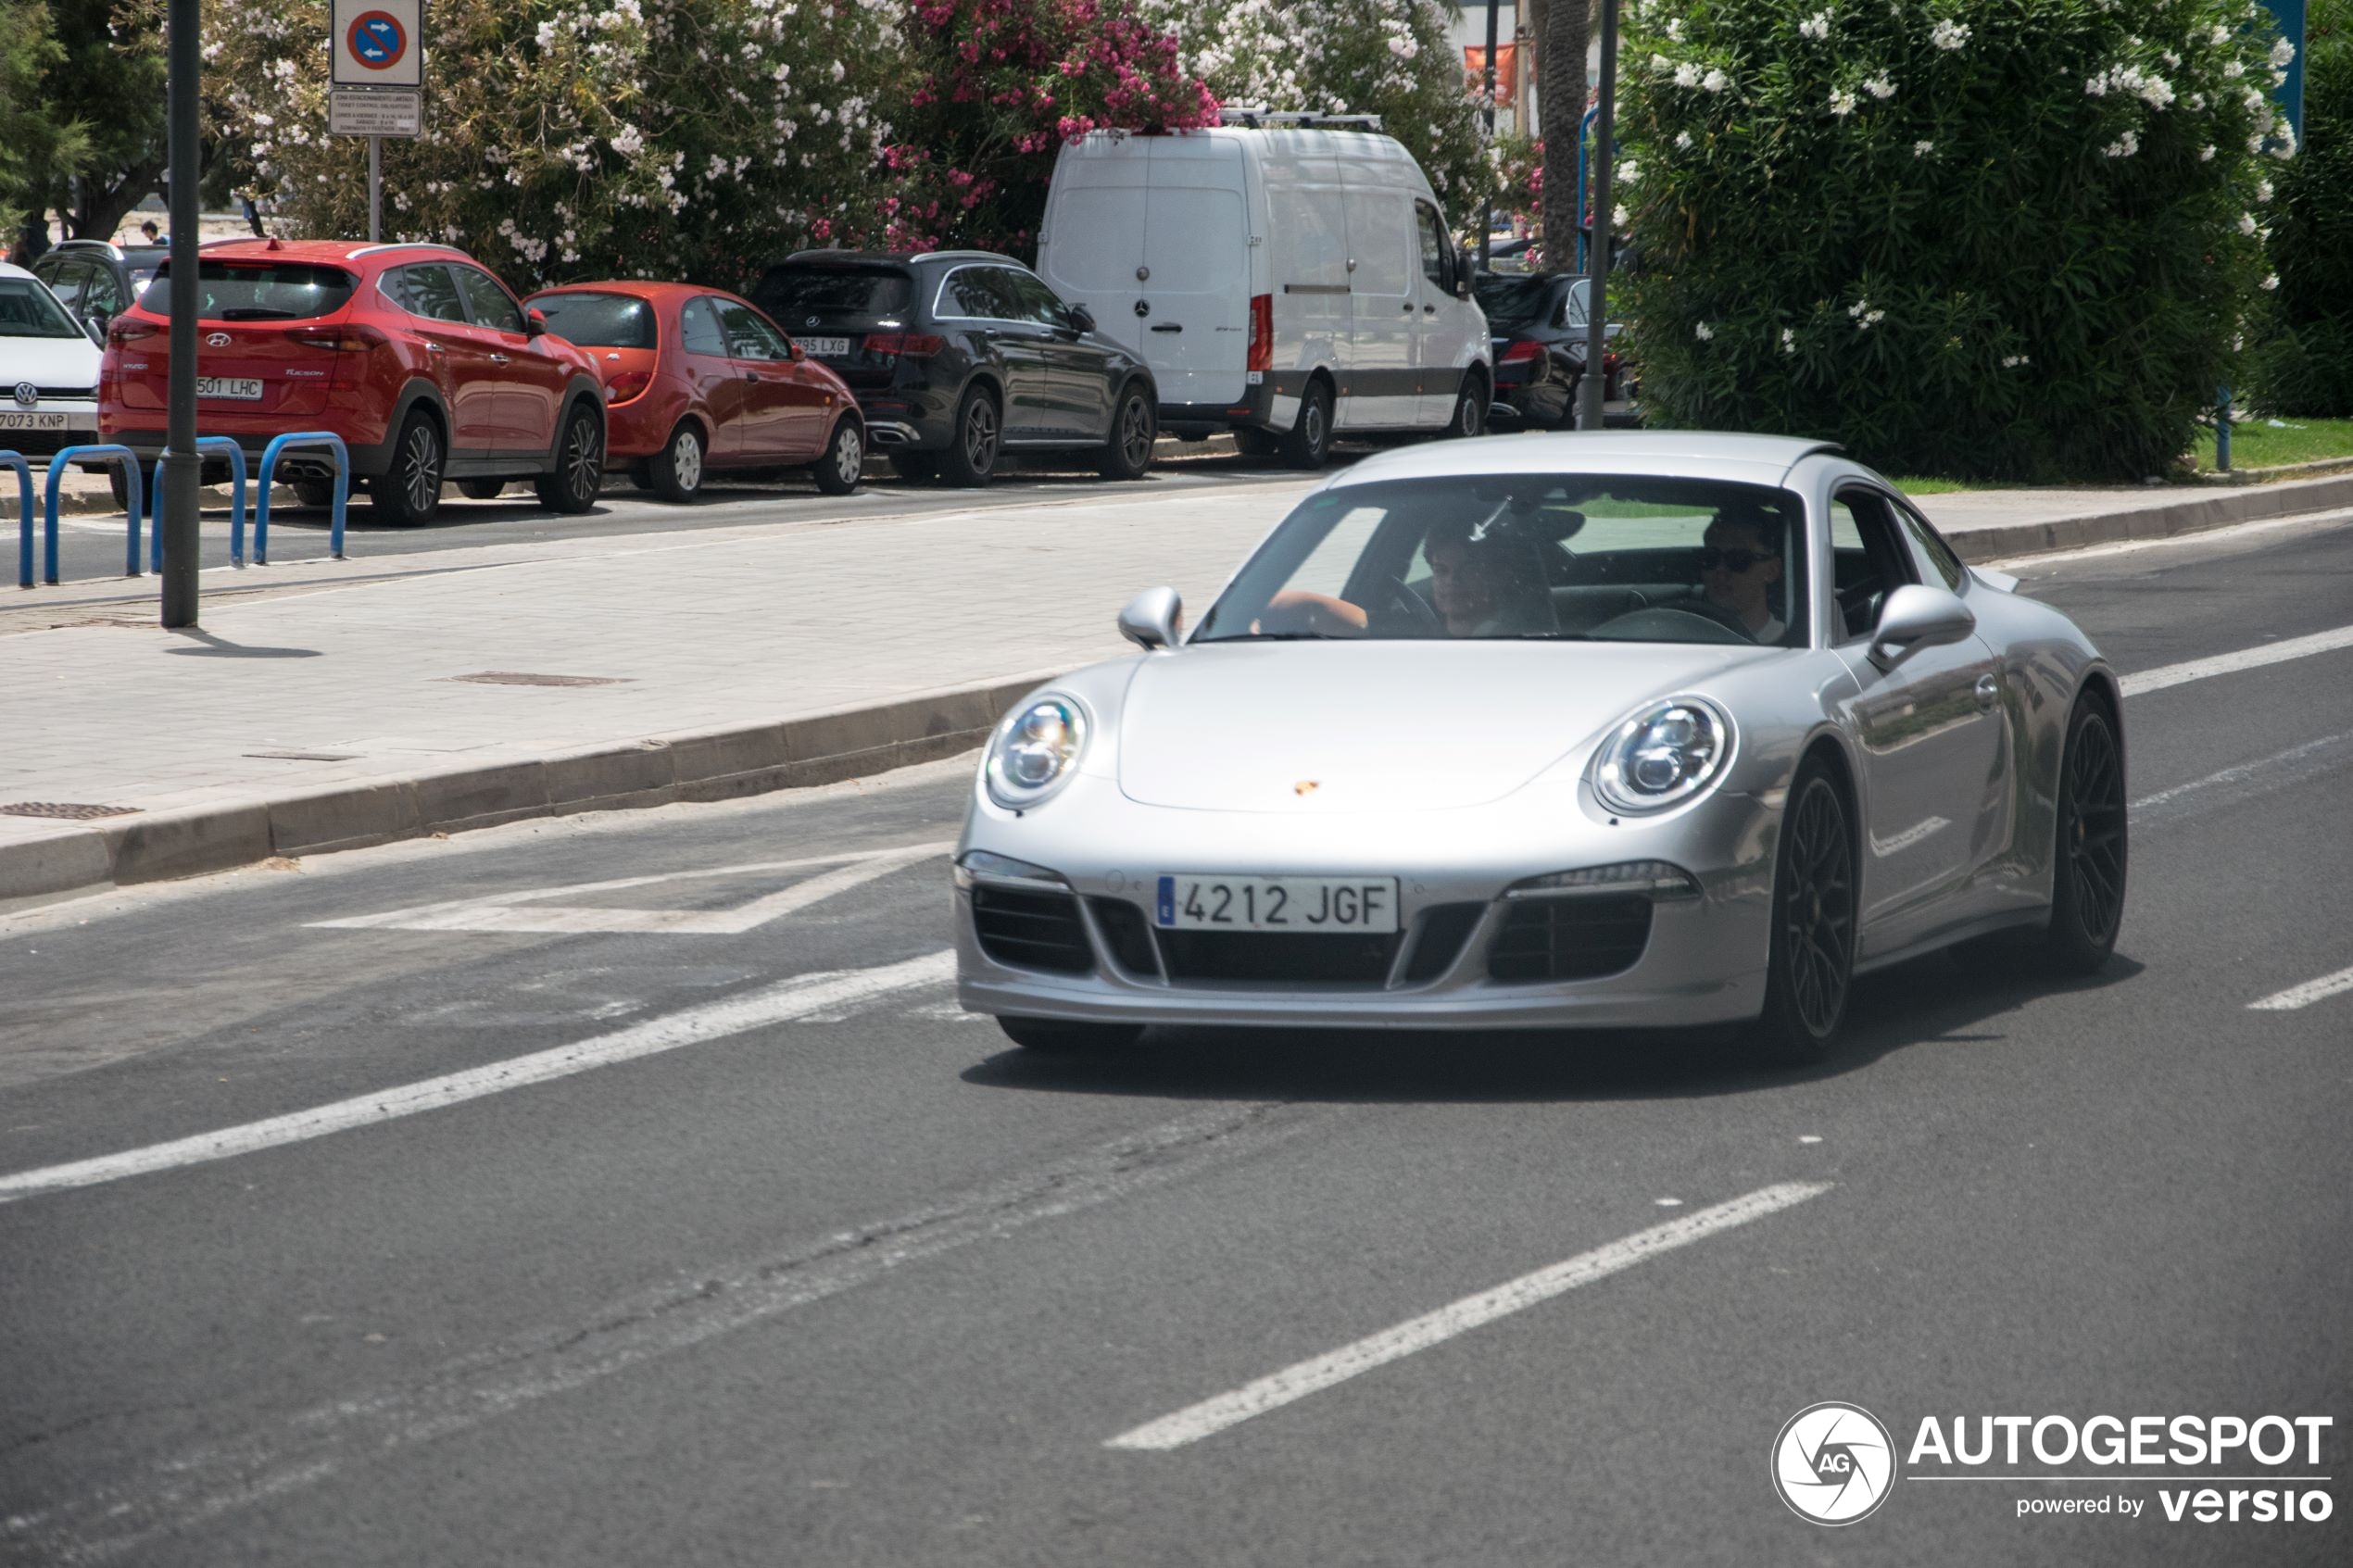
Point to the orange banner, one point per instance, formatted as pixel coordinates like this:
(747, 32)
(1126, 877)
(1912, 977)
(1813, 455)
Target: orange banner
(1506, 71)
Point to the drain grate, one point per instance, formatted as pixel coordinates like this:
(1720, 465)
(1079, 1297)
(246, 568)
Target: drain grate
(63, 810)
(517, 678)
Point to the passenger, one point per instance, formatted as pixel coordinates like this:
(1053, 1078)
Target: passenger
(1738, 566)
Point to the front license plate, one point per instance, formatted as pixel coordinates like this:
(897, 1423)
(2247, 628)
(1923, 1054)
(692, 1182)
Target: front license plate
(33, 421)
(245, 389)
(836, 346)
(1366, 904)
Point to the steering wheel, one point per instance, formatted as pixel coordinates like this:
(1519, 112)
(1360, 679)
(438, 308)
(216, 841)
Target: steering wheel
(1712, 611)
(1858, 604)
(1415, 609)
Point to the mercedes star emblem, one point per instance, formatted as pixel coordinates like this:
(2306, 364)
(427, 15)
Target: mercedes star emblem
(810, 322)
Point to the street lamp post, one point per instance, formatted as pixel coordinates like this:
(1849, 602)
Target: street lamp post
(177, 504)
(1590, 387)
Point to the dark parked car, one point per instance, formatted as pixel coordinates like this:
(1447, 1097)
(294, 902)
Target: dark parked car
(96, 280)
(957, 357)
(1539, 321)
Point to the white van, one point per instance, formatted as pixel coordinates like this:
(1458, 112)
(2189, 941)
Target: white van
(1282, 283)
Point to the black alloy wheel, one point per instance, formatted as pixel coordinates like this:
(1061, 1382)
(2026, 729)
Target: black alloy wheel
(971, 458)
(1052, 1036)
(677, 470)
(1129, 451)
(844, 464)
(2087, 875)
(1309, 442)
(580, 464)
(409, 491)
(1811, 966)
(1470, 410)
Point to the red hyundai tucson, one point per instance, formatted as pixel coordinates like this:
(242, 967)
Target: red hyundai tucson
(418, 358)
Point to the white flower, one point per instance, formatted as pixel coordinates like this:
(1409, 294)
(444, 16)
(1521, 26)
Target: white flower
(630, 142)
(2221, 34)
(2286, 147)
(1858, 308)
(840, 70)
(1703, 332)
(1675, 30)
(1870, 318)
(2012, 362)
(2206, 155)
(2273, 282)
(2198, 100)
(1789, 340)
(1816, 26)
(1661, 64)
(1687, 75)
(1683, 140)
(1628, 172)
(2283, 54)
(1879, 87)
(1841, 101)
(1619, 218)
(2124, 146)
(2157, 92)
(1948, 34)
(2234, 70)
(1921, 149)
(2247, 224)
(1716, 81)
(2097, 87)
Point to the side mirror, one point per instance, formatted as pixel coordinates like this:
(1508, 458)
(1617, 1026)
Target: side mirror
(1916, 617)
(1082, 317)
(799, 353)
(534, 323)
(1154, 618)
(1466, 265)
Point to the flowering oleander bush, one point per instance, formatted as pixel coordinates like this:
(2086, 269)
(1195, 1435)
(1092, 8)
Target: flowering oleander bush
(2306, 363)
(996, 88)
(2022, 238)
(1389, 57)
(581, 138)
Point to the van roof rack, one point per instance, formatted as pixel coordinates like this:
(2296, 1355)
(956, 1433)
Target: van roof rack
(1257, 117)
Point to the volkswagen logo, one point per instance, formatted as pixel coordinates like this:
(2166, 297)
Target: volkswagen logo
(1834, 1463)
(216, 340)
(26, 395)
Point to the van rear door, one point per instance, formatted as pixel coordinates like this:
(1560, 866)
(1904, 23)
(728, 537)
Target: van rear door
(1197, 271)
(1092, 250)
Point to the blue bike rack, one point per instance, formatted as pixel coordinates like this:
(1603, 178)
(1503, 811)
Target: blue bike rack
(236, 502)
(24, 515)
(132, 479)
(278, 443)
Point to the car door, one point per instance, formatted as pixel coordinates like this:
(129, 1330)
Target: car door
(1438, 371)
(69, 279)
(1378, 391)
(106, 295)
(708, 367)
(459, 351)
(1930, 732)
(1079, 370)
(531, 382)
(982, 299)
(783, 411)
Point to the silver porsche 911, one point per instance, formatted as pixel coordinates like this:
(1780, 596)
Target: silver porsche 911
(1599, 730)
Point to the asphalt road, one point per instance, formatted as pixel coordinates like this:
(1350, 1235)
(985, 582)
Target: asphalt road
(858, 1284)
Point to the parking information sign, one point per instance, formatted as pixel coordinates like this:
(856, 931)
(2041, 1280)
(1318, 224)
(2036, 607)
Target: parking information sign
(377, 43)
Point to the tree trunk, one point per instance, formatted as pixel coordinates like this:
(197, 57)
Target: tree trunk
(1561, 98)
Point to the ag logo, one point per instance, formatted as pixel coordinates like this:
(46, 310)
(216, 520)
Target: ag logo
(1834, 1463)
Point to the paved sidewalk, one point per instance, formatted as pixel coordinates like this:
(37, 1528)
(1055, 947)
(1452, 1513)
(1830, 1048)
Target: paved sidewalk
(336, 708)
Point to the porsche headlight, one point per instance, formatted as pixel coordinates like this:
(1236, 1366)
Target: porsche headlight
(1663, 756)
(1034, 753)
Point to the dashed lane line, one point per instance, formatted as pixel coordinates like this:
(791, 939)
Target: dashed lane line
(805, 997)
(2303, 996)
(1294, 1382)
(2232, 663)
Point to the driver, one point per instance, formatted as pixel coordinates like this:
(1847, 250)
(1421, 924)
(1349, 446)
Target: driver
(1739, 564)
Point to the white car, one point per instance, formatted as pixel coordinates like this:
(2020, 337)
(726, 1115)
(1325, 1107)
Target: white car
(48, 370)
(1283, 283)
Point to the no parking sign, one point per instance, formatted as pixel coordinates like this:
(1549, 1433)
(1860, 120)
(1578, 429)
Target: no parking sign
(377, 43)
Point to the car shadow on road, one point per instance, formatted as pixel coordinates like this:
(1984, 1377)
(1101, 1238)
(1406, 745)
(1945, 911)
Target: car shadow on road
(1939, 1000)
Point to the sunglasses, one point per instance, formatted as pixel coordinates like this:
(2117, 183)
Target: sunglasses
(1732, 561)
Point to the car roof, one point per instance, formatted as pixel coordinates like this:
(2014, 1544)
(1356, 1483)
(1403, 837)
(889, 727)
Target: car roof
(1700, 454)
(640, 288)
(10, 269)
(898, 257)
(323, 250)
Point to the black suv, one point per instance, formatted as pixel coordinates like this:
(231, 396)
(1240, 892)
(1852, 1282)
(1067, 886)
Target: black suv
(959, 356)
(96, 280)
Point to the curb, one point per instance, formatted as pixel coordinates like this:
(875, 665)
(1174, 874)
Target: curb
(2253, 504)
(723, 764)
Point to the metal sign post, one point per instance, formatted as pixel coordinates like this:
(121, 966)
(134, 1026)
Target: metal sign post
(176, 507)
(1591, 387)
(376, 87)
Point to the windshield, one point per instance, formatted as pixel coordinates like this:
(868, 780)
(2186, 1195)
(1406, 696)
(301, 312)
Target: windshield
(1511, 303)
(598, 321)
(1607, 558)
(257, 291)
(792, 294)
(26, 309)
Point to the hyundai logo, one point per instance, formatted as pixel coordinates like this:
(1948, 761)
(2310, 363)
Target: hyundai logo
(26, 395)
(216, 340)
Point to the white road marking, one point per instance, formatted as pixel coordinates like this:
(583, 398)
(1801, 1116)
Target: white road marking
(2033, 565)
(523, 911)
(2231, 663)
(1212, 1416)
(800, 998)
(2260, 777)
(2303, 996)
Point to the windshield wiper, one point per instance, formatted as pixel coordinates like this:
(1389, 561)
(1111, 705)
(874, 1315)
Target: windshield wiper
(1276, 637)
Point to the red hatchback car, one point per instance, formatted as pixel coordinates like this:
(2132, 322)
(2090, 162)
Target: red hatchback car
(418, 358)
(699, 381)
